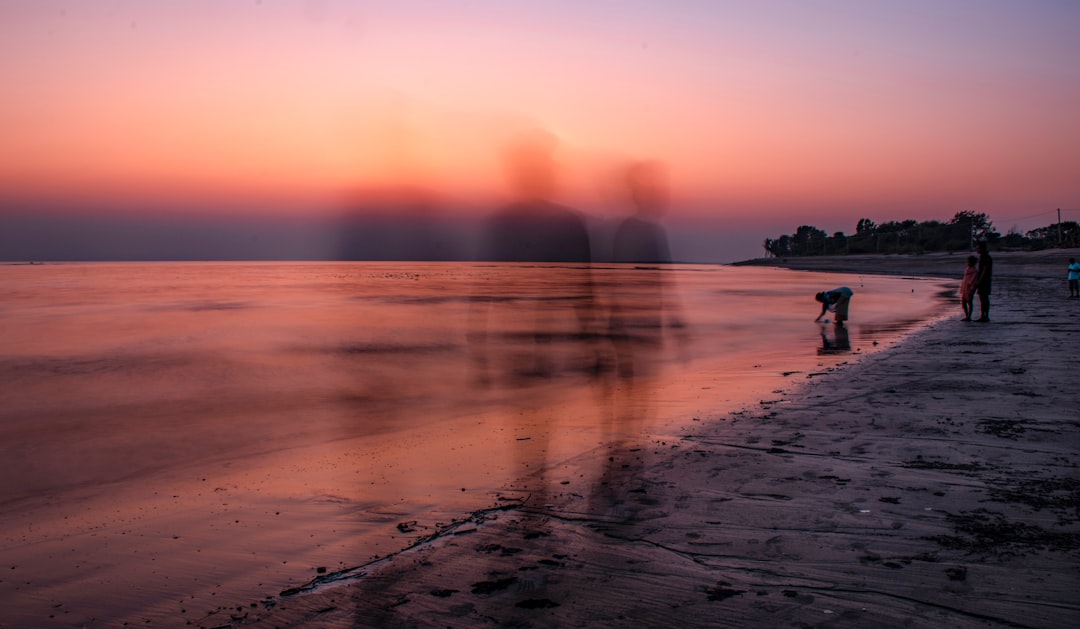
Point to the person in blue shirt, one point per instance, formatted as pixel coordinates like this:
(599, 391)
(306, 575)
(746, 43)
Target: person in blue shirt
(1074, 278)
(836, 300)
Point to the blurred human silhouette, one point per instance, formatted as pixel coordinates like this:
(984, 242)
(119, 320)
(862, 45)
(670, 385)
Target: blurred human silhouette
(640, 237)
(533, 228)
(641, 310)
(533, 322)
(641, 302)
(539, 322)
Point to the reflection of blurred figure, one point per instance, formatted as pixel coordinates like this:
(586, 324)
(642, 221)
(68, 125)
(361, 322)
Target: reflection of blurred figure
(839, 344)
(641, 307)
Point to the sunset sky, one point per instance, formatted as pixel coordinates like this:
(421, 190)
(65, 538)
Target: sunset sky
(769, 114)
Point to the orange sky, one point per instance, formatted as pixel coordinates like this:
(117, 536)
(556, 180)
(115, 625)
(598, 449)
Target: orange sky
(819, 111)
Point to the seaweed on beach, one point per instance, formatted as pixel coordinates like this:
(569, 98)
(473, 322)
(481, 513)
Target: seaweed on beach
(722, 591)
(1004, 428)
(490, 587)
(922, 464)
(536, 603)
(983, 532)
(1060, 496)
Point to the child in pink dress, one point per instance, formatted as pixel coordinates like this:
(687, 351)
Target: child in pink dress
(968, 285)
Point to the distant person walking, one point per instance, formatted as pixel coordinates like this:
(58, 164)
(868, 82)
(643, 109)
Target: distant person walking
(985, 277)
(968, 285)
(836, 300)
(1074, 278)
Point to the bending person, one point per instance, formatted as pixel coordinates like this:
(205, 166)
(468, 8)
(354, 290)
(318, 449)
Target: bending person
(836, 300)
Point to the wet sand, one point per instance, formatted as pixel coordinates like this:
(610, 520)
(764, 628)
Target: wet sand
(932, 484)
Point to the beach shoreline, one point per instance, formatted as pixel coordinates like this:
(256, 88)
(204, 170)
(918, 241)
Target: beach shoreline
(1047, 263)
(933, 483)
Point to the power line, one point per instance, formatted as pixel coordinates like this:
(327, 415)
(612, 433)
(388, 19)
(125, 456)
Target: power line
(1020, 218)
(1048, 212)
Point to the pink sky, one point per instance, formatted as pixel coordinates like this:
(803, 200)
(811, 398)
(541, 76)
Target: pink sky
(769, 114)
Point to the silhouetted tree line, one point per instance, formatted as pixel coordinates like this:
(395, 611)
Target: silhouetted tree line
(958, 234)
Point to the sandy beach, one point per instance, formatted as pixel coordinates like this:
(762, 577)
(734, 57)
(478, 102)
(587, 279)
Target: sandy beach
(932, 484)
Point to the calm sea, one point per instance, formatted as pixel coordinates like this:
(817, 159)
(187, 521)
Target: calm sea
(183, 437)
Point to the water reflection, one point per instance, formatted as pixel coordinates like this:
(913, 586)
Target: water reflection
(837, 343)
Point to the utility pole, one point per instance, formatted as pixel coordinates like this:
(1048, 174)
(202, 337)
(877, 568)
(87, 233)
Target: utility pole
(1059, 227)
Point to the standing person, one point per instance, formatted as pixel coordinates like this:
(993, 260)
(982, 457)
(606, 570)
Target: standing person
(1074, 278)
(985, 275)
(968, 285)
(836, 300)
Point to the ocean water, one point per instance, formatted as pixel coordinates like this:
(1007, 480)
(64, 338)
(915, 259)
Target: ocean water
(181, 439)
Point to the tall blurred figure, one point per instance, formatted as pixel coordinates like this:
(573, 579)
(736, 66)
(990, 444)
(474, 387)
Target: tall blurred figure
(641, 299)
(642, 308)
(533, 325)
(535, 318)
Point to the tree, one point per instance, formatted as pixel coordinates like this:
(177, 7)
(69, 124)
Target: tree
(932, 235)
(977, 224)
(838, 242)
(1065, 234)
(1013, 239)
(782, 246)
(910, 236)
(864, 240)
(808, 241)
